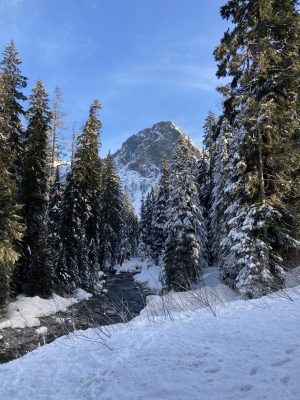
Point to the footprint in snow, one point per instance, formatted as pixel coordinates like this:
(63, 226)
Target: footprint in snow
(281, 362)
(246, 388)
(243, 388)
(253, 371)
(212, 370)
(290, 351)
(285, 380)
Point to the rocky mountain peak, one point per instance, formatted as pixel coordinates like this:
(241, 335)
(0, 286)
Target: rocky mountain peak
(138, 161)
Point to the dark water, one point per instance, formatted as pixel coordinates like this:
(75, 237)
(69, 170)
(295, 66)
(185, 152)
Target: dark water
(124, 300)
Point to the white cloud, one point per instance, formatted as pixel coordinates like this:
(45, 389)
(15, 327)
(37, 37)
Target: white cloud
(61, 44)
(185, 76)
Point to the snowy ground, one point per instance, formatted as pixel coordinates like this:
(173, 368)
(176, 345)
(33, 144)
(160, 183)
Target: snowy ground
(25, 311)
(249, 350)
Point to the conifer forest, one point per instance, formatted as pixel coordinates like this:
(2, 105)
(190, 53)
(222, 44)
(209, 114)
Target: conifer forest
(70, 220)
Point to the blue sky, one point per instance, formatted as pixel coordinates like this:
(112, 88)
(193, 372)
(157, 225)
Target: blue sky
(145, 60)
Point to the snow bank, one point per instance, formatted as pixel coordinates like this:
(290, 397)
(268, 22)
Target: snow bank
(250, 351)
(293, 277)
(148, 273)
(210, 293)
(25, 311)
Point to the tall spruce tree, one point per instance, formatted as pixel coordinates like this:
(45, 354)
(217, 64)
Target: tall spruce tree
(186, 234)
(261, 104)
(12, 83)
(209, 142)
(160, 217)
(219, 197)
(142, 238)
(38, 273)
(111, 216)
(77, 264)
(205, 166)
(129, 233)
(145, 248)
(54, 227)
(11, 229)
(11, 159)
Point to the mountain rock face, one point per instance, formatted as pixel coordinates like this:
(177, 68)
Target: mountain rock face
(138, 161)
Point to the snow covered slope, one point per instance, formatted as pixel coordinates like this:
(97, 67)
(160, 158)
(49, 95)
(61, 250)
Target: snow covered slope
(249, 351)
(138, 161)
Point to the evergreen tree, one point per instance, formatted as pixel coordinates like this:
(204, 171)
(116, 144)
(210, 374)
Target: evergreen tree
(111, 216)
(38, 269)
(67, 270)
(160, 217)
(205, 167)
(145, 226)
(219, 197)
(54, 227)
(12, 82)
(209, 128)
(142, 251)
(209, 140)
(185, 248)
(261, 104)
(11, 160)
(129, 234)
(81, 210)
(11, 228)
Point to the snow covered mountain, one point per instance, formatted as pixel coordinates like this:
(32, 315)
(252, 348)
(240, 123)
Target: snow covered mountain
(138, 161)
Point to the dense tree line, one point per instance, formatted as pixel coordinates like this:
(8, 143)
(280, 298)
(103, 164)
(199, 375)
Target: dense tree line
(248, 200)
(173, 229)
(259, 137)
(55, 234)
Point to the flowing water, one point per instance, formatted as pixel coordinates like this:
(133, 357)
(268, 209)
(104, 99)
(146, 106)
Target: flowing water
(124, 299)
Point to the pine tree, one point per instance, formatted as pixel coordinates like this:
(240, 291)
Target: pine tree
(205, 167)
(160, 218)
(209, 128)
(261, 104)
(81, 210)
(67, 270)
(129, 233)
(111, 216)
(38, 278)
(12, 82)
(54, 228)
(145, 226)
(11, 228)
(142, 251)
(11, 161)
(219, 197)
(185, 248)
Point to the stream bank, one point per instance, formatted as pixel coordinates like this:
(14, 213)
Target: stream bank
(124, 300)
